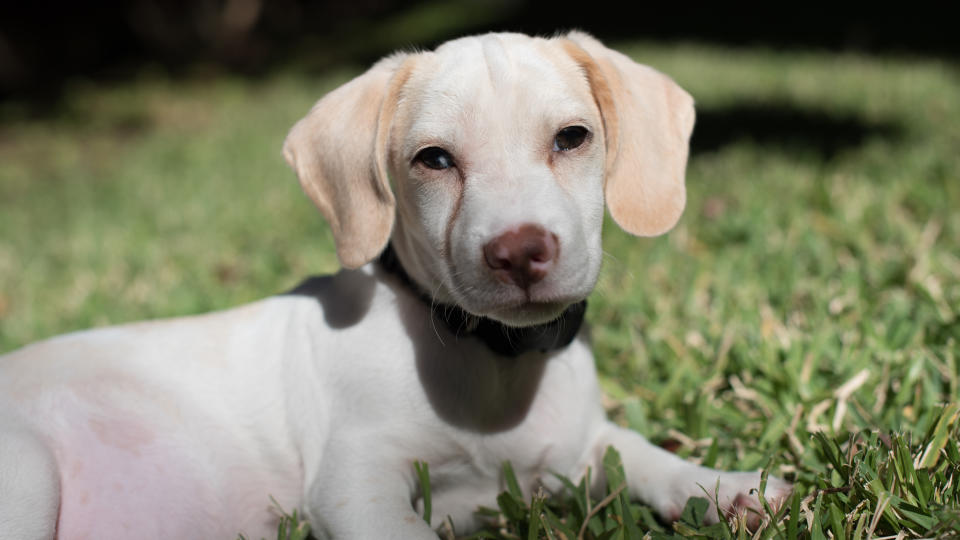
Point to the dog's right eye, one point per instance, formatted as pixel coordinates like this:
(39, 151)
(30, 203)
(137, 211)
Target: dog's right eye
(434, 158)
(569, 138)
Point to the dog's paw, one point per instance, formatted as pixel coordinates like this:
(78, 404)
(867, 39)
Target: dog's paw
(739, 495)
(736, 493)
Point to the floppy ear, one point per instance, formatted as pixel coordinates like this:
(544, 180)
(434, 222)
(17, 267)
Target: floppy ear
(647, 120)
(338, 152)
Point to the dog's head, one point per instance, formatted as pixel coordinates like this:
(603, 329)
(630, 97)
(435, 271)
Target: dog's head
(487, 163)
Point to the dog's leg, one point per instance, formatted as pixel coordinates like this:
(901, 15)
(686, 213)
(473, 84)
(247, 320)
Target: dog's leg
(29, 487)
(460, 503)
(665, 481)
(358, 496)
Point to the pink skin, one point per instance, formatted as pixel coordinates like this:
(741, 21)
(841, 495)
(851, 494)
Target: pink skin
(116, 477)
(125, 474)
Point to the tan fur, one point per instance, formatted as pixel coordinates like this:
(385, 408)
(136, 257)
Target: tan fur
(648, 120)
(338, 152)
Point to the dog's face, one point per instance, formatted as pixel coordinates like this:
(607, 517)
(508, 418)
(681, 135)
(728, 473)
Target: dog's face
(497, 158)
(487, 162)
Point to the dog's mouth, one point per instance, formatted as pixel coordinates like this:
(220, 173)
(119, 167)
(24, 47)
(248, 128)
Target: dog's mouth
(514, 307)
(528, 313)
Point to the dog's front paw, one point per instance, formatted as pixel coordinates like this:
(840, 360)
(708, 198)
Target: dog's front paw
(736, 493)
(739, 495)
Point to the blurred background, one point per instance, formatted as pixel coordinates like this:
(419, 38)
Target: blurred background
(45, 44)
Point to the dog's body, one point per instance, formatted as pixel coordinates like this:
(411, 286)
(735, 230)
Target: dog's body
(500, 150)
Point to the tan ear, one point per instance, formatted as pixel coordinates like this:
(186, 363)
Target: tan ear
(338, 152)
(647, 120)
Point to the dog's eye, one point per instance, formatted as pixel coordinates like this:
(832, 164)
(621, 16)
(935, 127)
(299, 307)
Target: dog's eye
(434, 158)
(569, 138)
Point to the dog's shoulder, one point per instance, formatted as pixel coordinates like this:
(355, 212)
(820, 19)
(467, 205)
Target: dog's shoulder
(348, 297)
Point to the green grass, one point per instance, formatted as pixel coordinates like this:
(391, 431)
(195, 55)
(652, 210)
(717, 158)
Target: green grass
(802, 318)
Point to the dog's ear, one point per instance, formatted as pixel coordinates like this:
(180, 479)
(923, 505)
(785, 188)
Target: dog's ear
(647, 121)
(338, 152)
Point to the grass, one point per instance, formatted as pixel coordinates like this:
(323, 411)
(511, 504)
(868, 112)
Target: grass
(802, 318)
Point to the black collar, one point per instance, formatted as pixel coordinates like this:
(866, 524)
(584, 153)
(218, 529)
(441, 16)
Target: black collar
(498, 337)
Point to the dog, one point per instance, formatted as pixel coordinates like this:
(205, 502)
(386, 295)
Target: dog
(465, 189)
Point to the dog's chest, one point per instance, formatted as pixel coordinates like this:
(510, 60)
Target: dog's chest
(552, 434)
(401, 388)
(430, 379)
(448, 399)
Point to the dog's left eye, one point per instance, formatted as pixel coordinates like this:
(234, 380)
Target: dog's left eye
(435, 158)
(569, 138)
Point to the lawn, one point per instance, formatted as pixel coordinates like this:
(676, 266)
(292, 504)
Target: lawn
(802, 317)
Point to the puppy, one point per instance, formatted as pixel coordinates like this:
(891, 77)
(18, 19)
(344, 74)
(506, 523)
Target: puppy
(465, 189)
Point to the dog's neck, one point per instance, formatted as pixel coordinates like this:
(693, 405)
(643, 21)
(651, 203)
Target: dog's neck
(498, 337)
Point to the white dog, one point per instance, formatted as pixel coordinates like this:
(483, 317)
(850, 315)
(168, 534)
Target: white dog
(482, 168)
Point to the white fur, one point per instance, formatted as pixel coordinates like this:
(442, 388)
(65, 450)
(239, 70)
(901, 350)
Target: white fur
(324, 398)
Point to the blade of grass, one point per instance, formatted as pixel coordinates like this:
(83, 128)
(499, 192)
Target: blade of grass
(423, 474)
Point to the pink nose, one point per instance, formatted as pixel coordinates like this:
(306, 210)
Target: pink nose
(523, 255)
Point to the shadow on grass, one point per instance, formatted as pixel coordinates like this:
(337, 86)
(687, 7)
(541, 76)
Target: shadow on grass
(787, 128)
